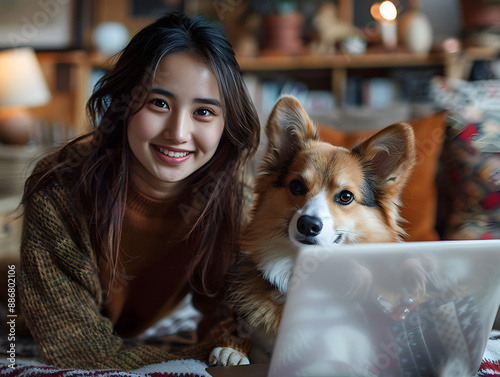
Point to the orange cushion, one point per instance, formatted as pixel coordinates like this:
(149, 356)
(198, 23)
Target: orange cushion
(419, 197)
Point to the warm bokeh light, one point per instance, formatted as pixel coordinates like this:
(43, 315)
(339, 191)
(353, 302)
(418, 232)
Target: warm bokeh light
(375, 11)
(388, 11)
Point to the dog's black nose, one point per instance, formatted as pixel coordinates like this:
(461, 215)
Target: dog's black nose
(309, 225)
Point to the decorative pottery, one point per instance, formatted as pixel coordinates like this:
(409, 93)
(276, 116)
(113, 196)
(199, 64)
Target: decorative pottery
(419, 35)
(110, 37)
(284, 34)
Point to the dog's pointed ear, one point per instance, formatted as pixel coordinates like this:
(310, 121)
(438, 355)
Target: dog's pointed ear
(288, 128)
(388, 157)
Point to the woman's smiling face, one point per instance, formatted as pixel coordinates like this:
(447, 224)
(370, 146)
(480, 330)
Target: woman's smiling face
(179, 128)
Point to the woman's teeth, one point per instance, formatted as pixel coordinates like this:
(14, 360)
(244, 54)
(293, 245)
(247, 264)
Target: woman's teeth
(171, 153)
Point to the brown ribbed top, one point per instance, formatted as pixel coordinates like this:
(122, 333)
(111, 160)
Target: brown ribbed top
(155, 259)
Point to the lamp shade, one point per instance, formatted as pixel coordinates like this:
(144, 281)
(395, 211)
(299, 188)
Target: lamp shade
(22, 83)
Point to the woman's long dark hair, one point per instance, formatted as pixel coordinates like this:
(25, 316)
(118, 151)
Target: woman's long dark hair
(102, 174)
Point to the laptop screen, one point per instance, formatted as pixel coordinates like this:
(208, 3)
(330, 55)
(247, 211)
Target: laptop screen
(403, 309)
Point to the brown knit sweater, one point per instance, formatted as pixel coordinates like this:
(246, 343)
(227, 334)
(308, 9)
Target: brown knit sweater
(76, 318)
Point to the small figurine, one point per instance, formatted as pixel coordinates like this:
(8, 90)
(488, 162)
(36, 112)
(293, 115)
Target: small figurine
(330, 29)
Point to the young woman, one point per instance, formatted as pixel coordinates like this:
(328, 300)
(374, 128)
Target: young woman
(122, 223)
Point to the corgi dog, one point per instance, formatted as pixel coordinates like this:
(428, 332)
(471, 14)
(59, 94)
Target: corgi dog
(309, 192)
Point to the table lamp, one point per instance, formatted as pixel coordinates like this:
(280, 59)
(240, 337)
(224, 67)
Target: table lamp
(22, 85)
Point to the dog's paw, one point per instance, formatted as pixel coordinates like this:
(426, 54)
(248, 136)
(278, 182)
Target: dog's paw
(362, 281)
(225, 356)
(354, 281)
(413, 275)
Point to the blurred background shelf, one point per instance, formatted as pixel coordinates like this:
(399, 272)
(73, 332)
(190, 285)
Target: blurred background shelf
(377, 85)
(72, 69)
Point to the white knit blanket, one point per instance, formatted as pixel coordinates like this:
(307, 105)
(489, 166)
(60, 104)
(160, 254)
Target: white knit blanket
(173, 368)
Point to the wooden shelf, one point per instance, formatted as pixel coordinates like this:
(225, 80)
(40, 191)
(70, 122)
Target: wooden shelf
(373, 58)
(370, 59)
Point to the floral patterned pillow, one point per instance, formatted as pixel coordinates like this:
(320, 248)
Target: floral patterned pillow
(471, 155)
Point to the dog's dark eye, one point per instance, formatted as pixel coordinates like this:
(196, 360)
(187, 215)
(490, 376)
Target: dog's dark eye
(344, 197)
(297, 187)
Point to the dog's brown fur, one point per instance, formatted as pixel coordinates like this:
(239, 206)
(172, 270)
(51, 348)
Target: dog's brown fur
(375, 171)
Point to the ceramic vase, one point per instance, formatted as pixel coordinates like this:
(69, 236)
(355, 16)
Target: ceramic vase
(283, 34)
(110, 37)
(418, 34)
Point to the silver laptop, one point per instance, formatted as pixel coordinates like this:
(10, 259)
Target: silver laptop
(401, 309)
(409, 309)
